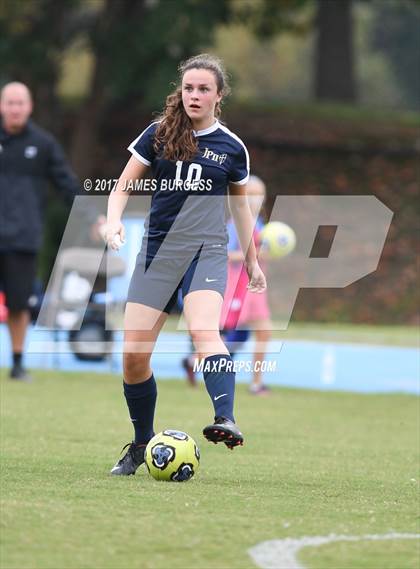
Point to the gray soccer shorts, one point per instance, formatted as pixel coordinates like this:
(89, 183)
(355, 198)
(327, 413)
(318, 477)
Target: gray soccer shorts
(157, 278)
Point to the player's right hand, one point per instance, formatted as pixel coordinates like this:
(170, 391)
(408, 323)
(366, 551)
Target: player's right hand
(114, 235)
(257, 281)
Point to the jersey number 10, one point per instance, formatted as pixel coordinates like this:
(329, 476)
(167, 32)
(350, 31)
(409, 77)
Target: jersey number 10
(194, 170)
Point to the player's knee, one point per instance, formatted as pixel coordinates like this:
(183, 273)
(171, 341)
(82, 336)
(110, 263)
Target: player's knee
(203, 339)
(203, 335)
(135, 365)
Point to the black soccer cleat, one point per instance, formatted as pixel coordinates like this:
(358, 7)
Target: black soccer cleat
(225, 431)
(19, 373)
(130, 462)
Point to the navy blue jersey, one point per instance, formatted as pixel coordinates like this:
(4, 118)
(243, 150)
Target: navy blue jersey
(189, 197)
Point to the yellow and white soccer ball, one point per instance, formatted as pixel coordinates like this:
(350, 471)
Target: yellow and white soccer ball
(173, 456)
(278, 239)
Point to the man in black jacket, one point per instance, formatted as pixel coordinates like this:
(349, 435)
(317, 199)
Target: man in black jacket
(30, 157)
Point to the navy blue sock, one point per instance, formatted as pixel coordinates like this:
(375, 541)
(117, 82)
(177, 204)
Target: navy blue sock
(17, 358)
(141, 402)
(234, 340)
(220, 384)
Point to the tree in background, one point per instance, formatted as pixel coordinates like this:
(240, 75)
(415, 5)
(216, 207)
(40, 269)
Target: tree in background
(33, 37)
(334, 53)
(334, 75)
(135, 45)
(396, 33)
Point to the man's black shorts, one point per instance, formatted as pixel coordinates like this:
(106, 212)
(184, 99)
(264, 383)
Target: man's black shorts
(17, 276)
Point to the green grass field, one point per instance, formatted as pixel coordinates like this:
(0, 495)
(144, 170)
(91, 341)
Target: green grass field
(407, 336)
(314, 463)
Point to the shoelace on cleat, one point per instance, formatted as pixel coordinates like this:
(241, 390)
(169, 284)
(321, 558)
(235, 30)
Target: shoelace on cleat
(124, 447)
(130, 452)
(126, 454)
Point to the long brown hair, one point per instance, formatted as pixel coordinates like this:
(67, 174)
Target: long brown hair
(174, 137)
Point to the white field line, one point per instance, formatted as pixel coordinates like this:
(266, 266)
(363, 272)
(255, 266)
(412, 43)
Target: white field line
(282, 553)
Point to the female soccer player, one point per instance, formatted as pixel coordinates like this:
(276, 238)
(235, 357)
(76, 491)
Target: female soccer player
(194, 159)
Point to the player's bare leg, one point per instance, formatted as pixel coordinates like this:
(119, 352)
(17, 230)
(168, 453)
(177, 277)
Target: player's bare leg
(202, 310)
(202, 313)
(262, 330)
(142, 325)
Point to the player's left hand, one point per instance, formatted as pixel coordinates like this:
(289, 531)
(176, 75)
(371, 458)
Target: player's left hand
(257, 282)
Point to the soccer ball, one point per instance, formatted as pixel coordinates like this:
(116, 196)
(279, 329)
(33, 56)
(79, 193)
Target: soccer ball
(278, 239)
(172, 456)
